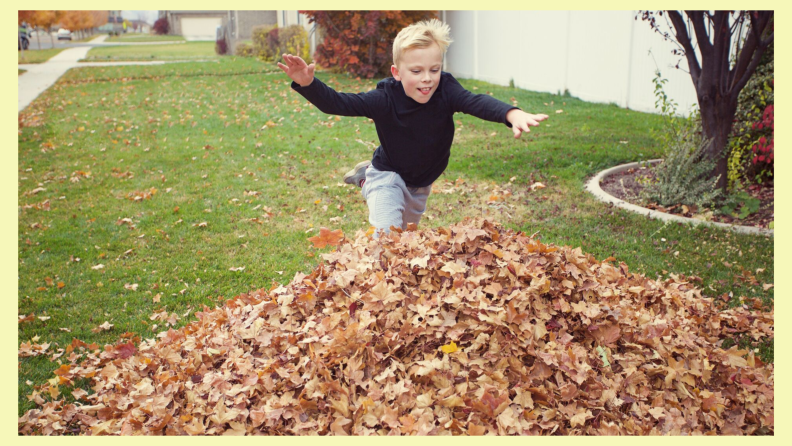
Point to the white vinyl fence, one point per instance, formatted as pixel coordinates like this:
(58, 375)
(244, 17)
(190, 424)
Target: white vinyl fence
(598, 56)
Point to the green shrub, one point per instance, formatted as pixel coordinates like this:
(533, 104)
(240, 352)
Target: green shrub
(757, 95)
(294, 40)
(685, 175)
(740, 204)
(261, 47)
(269, 42)
(243, 49)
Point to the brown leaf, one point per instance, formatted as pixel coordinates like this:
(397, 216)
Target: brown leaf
(326, 237)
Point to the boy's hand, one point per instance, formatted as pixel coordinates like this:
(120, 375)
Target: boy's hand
(520, 121)
(298, 70)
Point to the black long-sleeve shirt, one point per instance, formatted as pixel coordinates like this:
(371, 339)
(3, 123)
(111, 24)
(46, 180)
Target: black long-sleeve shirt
(415, 139)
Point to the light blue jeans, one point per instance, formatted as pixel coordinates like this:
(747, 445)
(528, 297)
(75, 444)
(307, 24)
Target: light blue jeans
(391, 202)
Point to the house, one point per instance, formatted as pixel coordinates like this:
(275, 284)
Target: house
(115, 23)
(138, 26)
(236, 26)
(208, 25)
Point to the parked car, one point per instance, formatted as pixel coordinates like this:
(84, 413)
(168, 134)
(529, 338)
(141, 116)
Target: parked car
(64, 34)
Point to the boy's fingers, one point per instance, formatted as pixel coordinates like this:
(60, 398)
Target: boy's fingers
(517, 131)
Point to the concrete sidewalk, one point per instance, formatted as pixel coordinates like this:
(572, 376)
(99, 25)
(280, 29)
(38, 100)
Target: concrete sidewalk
(41, 76)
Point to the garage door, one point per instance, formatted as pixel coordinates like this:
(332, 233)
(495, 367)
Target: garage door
(203, 28)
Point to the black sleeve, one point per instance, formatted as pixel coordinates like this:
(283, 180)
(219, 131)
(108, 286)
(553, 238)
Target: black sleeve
(479, 105)
(329, 101)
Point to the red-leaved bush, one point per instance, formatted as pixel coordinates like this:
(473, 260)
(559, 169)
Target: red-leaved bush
(161, 26)
(763, 149)
(361, 42)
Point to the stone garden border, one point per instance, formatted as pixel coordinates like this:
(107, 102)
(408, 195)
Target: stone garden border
(593, 186)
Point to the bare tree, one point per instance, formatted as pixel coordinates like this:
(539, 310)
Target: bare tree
(727, 63)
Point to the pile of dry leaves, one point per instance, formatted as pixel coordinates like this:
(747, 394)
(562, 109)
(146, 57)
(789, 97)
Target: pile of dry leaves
(472, 329)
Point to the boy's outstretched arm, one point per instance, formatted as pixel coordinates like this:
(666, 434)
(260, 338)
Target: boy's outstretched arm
(298, 70)
(520, 121)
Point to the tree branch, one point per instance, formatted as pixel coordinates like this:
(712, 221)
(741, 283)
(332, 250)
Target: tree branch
(751, 54)
(757, 58)
(702, 37)
(722, 44)
(684, 39)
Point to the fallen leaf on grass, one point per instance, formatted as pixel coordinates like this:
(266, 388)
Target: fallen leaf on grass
(536, 186)
(35, 191)
(104, 327)
(142, 195)
(326, 237)
(79, 394)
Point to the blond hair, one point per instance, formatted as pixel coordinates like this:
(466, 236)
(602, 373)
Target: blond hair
(421, 35)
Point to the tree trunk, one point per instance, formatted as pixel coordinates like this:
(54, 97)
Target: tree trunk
(717, 115)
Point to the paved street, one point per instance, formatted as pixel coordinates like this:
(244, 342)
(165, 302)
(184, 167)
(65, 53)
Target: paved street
(46, 42)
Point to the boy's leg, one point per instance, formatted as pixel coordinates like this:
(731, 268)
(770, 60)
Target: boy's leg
(357, 176)
(391, 202)
(415, 204)
(385, 196)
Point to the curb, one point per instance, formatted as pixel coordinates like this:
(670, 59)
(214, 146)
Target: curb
(593, 186)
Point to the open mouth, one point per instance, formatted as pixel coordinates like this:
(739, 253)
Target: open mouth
(425, 90)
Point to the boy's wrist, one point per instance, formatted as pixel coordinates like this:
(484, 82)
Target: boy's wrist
(308, 84)
(510, 114)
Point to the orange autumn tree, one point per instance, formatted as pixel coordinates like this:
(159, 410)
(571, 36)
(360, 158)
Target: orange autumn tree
(361, 42)
(80, 22)
(46, 20)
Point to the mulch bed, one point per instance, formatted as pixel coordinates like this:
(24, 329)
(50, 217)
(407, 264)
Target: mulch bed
(627, 186)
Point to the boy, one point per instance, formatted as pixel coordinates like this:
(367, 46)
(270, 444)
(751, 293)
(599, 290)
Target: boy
(413, 113)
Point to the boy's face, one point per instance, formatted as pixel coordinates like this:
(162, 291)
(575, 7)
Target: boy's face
(419, 72)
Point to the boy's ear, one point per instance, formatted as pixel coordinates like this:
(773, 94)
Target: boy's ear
(395, 73)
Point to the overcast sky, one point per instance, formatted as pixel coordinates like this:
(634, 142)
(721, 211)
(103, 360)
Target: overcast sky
(148, 16)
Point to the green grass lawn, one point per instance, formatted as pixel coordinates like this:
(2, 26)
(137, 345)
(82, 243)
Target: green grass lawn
(135, 37)
(176, 51)
(37, 56)
(231, 169)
